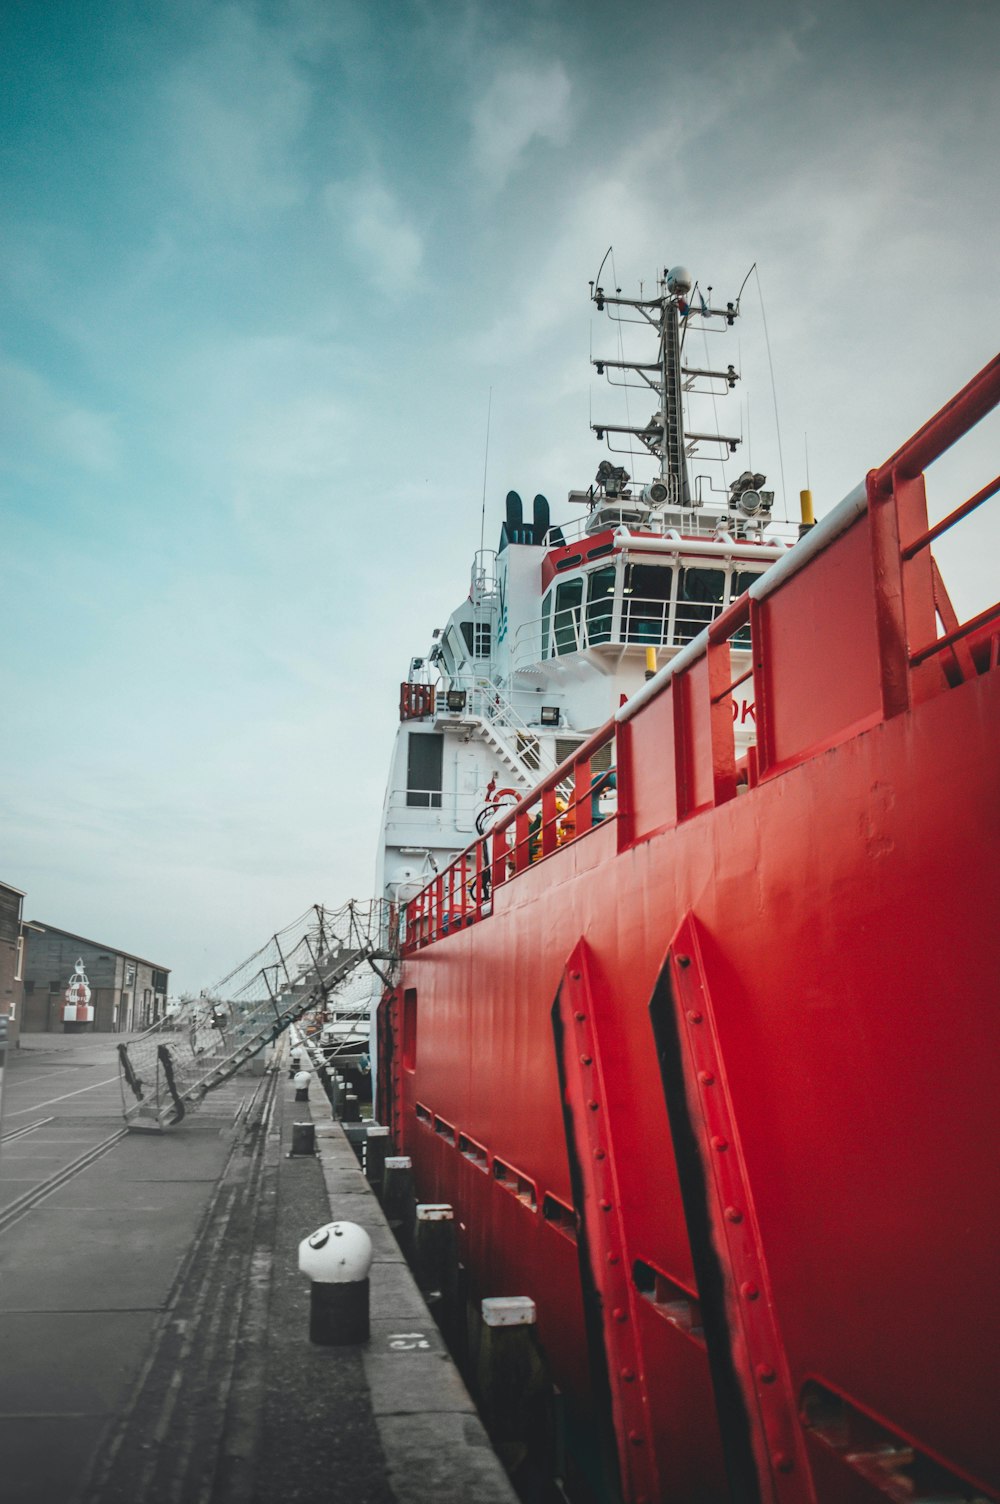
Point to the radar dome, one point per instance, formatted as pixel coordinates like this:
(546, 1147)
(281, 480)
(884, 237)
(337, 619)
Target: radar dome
(679, 280)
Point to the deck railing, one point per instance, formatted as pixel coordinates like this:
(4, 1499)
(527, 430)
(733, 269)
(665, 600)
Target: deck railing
(901, 540)
(573, 799)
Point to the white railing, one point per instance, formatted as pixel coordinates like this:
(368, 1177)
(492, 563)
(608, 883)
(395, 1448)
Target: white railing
(492, 705)
(698, 522)
(635, 621)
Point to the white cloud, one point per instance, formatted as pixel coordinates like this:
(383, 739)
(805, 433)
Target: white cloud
(42, 428)
(236, 109)
(378, 232)
(523, 104)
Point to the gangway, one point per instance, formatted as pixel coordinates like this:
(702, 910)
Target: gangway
(169, 1069)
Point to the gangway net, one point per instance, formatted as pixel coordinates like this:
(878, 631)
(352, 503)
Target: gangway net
(167, 1071)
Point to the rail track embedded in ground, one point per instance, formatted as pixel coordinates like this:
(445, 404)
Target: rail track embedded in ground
(187, 1432)
(45, 1188)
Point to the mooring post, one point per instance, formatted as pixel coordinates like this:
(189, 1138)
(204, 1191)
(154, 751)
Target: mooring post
(376, 1143)
(294, 1060)
(435, 1260)
(337, 1094)
(512, 1380)
(303, 1139)
(397, 1197)
(352, 1108)
(435, 1251)
(302, 1079)
(356, 1133)
(337, 1259)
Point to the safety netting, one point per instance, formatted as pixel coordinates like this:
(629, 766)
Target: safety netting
(320, 958)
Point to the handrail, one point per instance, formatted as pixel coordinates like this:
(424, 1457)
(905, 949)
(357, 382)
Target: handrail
(462, 893)
(977, 398)
(943, 526)
(896, 502)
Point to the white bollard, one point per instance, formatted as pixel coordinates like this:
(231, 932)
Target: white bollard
(337, 1259)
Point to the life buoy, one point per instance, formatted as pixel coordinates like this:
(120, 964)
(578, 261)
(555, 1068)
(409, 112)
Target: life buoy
(494, 807)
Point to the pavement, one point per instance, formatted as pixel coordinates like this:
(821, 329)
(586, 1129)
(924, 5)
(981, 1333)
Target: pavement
(154, 1325)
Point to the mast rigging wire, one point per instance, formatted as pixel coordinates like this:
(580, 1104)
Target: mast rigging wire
(774, 392)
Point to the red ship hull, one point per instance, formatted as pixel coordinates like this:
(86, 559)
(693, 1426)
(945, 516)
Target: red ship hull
(715, 1082)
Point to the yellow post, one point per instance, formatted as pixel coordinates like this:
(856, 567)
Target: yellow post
(806, 504)
(650, 662)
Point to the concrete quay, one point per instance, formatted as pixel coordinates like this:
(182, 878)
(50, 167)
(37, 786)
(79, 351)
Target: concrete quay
(154, 1326)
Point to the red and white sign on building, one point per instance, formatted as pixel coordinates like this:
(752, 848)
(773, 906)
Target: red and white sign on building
(77, 1007)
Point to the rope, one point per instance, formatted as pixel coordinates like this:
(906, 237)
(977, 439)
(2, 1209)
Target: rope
(774, 392)
(163, 1056)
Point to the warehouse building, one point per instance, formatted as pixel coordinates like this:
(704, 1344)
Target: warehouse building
(126, 991)
(11, 960)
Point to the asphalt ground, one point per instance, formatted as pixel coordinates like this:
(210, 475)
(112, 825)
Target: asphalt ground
(154, 1326)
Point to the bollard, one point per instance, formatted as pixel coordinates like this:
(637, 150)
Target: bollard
(337, 1259)
(352, 1108)
(435, 1251)
(294, 1060)
(303, 1139)
(302, 1079)
(513, 1382)
(435, 1261)
(355, 1134)
(376, 1143)
(397, 1198)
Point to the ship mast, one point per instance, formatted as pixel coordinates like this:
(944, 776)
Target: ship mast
(664, 435)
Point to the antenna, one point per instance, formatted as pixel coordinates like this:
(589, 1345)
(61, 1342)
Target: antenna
(486, 459)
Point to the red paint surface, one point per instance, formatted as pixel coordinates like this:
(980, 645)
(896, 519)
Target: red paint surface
(845, 908)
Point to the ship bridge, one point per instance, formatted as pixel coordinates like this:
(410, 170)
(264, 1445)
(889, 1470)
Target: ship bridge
(633, 589)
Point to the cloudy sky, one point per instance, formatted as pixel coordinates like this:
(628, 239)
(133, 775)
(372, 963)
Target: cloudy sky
(261, 266)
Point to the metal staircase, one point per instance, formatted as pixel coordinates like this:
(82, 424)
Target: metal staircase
(169, 1070)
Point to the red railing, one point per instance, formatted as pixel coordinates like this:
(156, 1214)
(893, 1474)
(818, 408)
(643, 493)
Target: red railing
(563, 807)
(904, 570)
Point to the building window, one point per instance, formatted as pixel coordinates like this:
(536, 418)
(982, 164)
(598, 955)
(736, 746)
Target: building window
(478, 637)
(424, 763)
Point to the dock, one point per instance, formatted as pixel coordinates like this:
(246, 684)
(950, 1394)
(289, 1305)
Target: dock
(155, 1326)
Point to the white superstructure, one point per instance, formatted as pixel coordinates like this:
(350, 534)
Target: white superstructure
(563, 622)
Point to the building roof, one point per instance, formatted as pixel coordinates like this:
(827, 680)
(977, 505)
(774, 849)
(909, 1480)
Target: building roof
(11, 889)
(114, 950)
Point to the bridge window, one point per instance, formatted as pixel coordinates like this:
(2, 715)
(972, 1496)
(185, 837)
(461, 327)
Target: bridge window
(569, 602)
(699, 599)
(600, 604)
(546, 623)
(740, 581)
(646, 604)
